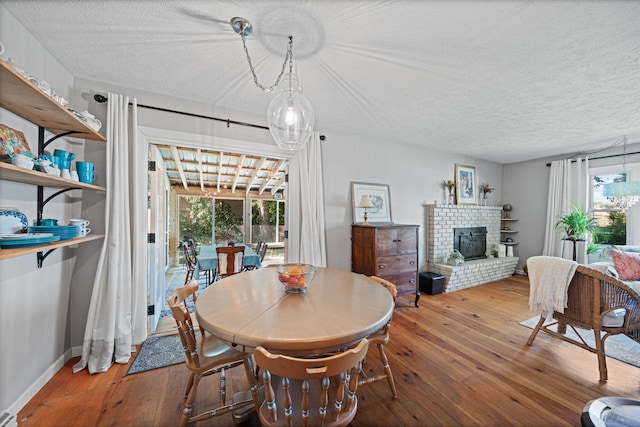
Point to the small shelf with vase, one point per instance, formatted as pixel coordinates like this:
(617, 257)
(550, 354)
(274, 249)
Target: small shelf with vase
(506, 224)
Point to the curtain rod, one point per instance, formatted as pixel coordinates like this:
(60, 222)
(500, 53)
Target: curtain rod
(604, 157)
(102, 99)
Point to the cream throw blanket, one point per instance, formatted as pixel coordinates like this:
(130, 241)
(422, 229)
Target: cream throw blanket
(549, 278)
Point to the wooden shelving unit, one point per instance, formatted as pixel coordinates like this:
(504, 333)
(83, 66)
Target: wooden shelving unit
(504, 231)
(9, 172)
(16, 252)
(21, 97)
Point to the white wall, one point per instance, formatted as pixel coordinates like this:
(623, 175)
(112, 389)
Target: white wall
(414, 175)
(34, 303)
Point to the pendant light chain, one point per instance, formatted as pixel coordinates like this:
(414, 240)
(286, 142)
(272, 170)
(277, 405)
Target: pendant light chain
(290, 115)
(288, 57)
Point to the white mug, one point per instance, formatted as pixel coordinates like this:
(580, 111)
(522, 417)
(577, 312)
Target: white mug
(74, 176)
(65, 174)
(82, 224)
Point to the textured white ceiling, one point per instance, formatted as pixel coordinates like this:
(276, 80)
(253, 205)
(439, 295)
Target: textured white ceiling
(499, 80)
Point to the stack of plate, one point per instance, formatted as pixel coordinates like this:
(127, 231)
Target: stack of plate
(65, 232)
(26, 240)
(12, 221)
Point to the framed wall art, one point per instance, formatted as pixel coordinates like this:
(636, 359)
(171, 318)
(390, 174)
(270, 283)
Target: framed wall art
(465, 185)
(373, 199)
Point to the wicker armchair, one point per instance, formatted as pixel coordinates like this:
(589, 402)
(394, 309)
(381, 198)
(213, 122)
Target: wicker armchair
(594, 301)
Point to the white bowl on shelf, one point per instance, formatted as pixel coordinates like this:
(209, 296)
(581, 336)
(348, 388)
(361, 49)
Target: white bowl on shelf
(22, 161)
(94, 124)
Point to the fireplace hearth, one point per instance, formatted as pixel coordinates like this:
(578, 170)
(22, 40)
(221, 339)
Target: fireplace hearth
(441, 222)
(471, 242)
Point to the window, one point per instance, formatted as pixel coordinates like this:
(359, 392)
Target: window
(267, 221)
(610, 219)
(228, 223)
(195, 219)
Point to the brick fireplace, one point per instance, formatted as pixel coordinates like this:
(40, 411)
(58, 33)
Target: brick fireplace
(442, 222)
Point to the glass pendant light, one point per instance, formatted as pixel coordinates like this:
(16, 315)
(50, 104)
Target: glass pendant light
(624, 194)
(290, 115)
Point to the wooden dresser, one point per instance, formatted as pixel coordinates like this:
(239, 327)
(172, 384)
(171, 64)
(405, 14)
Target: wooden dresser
(387, 251)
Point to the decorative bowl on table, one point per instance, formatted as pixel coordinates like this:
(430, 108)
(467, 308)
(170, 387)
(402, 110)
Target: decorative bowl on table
(296, 277)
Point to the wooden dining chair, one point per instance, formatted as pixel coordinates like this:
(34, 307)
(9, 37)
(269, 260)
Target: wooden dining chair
(310, 391)
(192, 247)
(259, 245)
(190, 262)
(230, 260)
(206, 355)
(191, 257)
(380, 339)
(263, 252)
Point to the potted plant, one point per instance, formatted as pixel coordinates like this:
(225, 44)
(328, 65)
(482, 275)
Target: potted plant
(593, 252)
(576, 224)
(455, 258)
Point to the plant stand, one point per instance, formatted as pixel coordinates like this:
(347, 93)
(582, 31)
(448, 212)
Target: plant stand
(575, 244)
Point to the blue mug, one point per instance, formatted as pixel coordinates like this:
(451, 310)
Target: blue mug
(86, 172)
(64, 155)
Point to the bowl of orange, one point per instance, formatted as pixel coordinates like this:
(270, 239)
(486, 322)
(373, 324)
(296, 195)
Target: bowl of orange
(295, 277)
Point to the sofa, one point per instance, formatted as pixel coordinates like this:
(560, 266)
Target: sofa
(606, 264)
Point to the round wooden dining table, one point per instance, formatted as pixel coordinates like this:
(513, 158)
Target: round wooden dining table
(252, 308)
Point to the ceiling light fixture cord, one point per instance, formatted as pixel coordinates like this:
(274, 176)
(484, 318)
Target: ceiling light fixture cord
(621, 140)
(288, 57)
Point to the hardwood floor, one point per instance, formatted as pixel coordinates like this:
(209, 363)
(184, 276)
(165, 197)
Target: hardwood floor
(460, 359)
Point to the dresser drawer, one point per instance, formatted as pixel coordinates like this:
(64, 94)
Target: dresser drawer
(405, 282)
(396, 264)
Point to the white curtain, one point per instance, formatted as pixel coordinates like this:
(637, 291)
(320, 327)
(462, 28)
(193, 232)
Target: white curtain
(114, 310)
(633, 213)
(306, 206)
(569, 187)
(633, 225)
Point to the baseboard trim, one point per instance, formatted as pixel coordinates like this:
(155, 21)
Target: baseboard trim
(37, 385)
(76, 351)
(8, 420)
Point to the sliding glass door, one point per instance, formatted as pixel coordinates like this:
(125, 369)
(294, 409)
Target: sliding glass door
(267, 221)
(228, 222)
